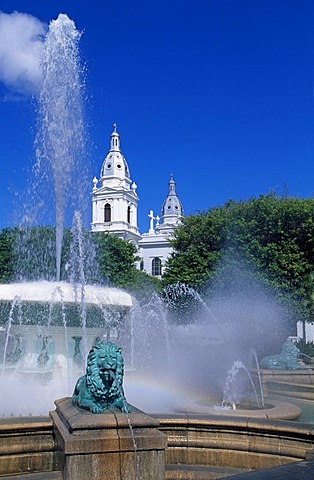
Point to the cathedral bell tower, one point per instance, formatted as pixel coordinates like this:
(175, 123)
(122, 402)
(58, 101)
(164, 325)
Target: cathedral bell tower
(114, 197)
(154, 247)
(172, 210)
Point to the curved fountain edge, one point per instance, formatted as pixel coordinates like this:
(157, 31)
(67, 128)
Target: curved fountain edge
(208, 440)
(275, 409)
(212, 441)
(44, 291)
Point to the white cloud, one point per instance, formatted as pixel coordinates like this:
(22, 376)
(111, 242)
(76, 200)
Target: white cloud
(21, 43)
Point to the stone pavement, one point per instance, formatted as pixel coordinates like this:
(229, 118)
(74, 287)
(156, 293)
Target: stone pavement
(293, 471)
(36, 476)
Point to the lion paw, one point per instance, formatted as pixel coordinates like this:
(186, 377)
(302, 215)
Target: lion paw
(96, 409)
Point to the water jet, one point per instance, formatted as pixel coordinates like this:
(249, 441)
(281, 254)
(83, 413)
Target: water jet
(43, 354)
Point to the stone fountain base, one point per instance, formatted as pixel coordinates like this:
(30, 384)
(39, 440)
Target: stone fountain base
(273, 409)
(123, 446)
(287, 383)
(198, 445)
(303, 376)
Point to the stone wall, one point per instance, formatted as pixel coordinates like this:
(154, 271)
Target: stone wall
(26, 445)
(235, 442)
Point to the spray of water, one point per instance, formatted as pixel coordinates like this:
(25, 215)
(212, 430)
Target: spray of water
(178, 291)
(78, 254)
(60, 139)
(228, 396)
(253, 355)
(16, 303)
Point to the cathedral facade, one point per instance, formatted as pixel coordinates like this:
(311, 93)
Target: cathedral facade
(114, 210)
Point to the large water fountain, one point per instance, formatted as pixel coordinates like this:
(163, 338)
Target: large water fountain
(47, 329)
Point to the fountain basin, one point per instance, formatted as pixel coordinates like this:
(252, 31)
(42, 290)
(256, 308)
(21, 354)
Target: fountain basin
(61, 304)
(205, 441)
(274, 409)
(294, 390)
(214, 441)
(304, 376)
(128, 446)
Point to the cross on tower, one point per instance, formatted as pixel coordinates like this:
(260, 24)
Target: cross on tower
(151, 223)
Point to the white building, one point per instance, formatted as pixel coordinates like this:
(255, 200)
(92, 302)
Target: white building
(305, 330)
(114, 202)
(114, 210)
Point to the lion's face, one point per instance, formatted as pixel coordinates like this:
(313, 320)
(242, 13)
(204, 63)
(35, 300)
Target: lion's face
(104, 367)
(107, 364)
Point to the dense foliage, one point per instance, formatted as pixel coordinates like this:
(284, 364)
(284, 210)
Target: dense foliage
(306, 350)
(29, 254)
(272, 236)
(6, 252)
(116, 259)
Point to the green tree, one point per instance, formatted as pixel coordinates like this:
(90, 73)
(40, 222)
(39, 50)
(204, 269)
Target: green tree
(6, 255)
(34, 253)
(273, 235)
(116, 260)
(29, 254)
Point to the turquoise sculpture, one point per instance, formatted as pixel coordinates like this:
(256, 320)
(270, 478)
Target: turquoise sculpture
(101, 387)
(43, 357)
(286, 360)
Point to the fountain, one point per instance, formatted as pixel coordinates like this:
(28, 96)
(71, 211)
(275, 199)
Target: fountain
(41, 340)
(229, 397)
(49, 326)
(97, 430)
(47, 329)
(61, 133)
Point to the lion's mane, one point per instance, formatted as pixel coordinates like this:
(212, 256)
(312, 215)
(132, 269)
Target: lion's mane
(93, 379)
(91, 392)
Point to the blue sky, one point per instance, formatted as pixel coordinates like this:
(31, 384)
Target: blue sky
(219, 93)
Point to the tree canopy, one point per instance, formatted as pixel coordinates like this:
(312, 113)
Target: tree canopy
(6, 253)
(116, 260)
(272, 235)
(29, 254)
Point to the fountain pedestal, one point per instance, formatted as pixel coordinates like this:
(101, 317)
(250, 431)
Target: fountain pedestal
(111, 445)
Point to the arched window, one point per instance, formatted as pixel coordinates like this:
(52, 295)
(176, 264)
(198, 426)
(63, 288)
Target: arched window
(129, 214)
(156, 266)
(107, 213)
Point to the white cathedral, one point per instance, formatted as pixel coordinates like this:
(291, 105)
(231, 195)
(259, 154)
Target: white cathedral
(114, 210)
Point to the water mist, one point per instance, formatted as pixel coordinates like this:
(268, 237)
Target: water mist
(60, 139)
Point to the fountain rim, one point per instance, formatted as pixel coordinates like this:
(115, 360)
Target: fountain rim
(46, 292)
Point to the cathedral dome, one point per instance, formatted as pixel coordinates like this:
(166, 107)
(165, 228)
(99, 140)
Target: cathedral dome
(115, 164)
(172, 208)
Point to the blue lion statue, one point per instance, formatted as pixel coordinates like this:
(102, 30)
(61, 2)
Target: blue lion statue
(101, 387)
(286, 360)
